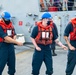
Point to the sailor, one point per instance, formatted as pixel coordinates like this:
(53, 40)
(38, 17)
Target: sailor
(71, 30)
(42, 36)
(7, 41)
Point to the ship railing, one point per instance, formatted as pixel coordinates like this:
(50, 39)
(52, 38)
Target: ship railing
(58, 6)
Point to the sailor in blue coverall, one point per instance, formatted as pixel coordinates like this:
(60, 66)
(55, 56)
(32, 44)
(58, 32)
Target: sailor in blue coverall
(7, 41)
(71, 60)
(43, 52)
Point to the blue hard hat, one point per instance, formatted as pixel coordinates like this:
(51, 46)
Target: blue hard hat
(46, 15)
(6, 15)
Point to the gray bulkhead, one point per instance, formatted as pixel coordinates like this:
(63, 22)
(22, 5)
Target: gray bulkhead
(28, 12)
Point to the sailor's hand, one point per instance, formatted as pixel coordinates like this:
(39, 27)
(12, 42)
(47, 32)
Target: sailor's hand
(38, 48)
(65, 47)
(72, 48)
(20, 44)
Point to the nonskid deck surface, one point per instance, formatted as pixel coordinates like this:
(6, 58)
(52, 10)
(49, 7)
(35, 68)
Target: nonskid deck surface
(24, 59)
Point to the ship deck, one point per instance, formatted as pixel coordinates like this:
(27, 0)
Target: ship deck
(24, 59)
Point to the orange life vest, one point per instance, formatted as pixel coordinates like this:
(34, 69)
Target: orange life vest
(45, 34)
(73, 33)
(5, 28)
(51, 23)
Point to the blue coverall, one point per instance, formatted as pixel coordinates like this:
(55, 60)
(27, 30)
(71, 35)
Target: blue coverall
(43, 55)
(7, 55)
(71, 53)
(53, 43)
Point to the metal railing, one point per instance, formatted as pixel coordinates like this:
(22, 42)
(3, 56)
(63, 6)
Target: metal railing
(58, 6)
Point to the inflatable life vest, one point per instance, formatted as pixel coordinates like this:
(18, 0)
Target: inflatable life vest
(51, 23)
(73, 33)
(8, 29)
(45, 34)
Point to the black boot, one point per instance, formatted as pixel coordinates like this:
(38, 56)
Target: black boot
(53, 53)
(48, 74)
(35, 74)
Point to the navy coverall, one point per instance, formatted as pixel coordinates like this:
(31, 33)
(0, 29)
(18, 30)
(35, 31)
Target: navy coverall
(43, 55)
(71, 53)
(53, 43)
(7, 55)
